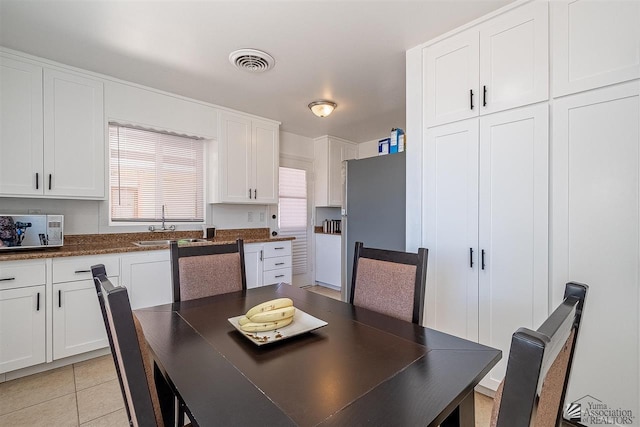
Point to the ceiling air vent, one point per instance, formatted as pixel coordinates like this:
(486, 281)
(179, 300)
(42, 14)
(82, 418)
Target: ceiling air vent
(252, 60)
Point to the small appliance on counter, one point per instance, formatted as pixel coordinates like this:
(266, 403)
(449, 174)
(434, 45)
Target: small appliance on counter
(31, 231)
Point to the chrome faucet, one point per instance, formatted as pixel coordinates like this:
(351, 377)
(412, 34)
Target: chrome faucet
(163, 228)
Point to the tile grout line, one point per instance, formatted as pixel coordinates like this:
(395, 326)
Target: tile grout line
(75, 389)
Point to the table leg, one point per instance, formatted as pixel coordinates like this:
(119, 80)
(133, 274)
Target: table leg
(464, 415)
(165, 396)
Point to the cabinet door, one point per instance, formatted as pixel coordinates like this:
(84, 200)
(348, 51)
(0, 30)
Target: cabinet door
(338, 152)
(74, 143)
(78, 326)
(20, 128)
(147, 277)
(266, 160)
(451, 79)
(513, 227)
(596, 217)
(235, 158)
(328, 259)
(514, 58)
(594, 43)
(451, 218)
(22, 328)
(253, 259)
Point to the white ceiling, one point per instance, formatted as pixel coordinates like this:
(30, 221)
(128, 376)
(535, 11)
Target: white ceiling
(351, 52)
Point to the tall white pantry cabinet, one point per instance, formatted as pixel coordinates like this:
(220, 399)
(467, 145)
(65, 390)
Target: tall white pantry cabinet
(545, 186)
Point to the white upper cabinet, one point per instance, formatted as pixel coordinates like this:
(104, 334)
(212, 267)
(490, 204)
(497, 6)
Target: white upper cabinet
(52, 129)
(73, 135)
(246, 161)
(20, 128)
(594, 43)
(330, 153)
(499, 64)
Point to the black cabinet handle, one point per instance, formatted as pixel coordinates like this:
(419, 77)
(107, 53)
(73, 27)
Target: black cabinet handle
(82, 271)
(249, 193)
(281, 247)
(59, 298)
(482, 256)
(37, 181)
(279, 275)
(279, 263)
(484, 96)
(470, 257)
(260, 254)
(7, 279)
(255, 193)
(38, 301)
(471, 98)
(49, 181)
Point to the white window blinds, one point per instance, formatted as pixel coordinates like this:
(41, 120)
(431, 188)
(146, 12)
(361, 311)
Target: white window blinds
(149, 169)
(292, 214)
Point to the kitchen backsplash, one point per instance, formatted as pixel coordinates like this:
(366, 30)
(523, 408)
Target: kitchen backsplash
(91, 216)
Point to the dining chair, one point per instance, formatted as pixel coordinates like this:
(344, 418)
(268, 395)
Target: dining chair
(207, 270)
(131, 354)
(390, 282)
(534, 387)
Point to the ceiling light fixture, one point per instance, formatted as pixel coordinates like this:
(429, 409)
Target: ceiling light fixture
(322, 108)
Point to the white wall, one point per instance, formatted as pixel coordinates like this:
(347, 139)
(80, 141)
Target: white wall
(296, 145)
(368, 149)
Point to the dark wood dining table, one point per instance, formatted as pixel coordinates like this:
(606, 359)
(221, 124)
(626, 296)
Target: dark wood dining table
(362, 368)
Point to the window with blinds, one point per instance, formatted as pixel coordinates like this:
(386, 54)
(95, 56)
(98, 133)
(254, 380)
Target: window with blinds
(151, 169)
(292, 214)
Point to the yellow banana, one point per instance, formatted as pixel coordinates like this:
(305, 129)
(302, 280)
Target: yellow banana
(265, 326)
(243, 320)
(273, 315)
(269, 305)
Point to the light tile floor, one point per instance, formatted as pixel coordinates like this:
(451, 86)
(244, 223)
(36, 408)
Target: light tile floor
(88, 394)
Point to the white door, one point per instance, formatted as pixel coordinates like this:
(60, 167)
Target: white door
(514, 58)
(235, 158)
(20, 128)
(253, 259)
(513, 227)
(451, 79)
(295, 216)
(78, 325)
(596, 217)
(265, 152)
(594, 43)
(147, 277)
(22, 328)
(451, 218)
(74, 142)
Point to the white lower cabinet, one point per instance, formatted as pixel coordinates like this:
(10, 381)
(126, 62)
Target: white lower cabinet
(328, 259)
(78, 326)
(147, 277)
(487, 227)
(22, 327)
(267, 263)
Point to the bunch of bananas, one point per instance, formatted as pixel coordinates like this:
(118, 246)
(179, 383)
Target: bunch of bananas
(268, 316)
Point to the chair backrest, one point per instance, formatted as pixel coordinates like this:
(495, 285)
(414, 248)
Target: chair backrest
(130, 352)
(390, 282)
(533, 390)
(205, 270)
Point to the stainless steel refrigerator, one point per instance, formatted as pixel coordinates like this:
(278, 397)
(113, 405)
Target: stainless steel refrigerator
(373, 210)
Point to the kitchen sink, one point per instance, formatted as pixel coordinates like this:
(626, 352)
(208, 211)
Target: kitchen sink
(166, 242)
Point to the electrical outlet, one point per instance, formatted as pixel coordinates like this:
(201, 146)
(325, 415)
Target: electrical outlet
(250, 217)
(261, 216)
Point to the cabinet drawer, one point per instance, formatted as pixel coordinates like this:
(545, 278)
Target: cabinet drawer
(79, 268)
(277, 263)
(277, 249)
(276, 276)
(22, 273)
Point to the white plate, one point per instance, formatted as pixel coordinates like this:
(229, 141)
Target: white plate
(302, 323)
